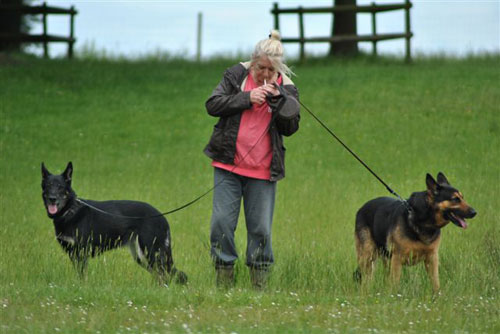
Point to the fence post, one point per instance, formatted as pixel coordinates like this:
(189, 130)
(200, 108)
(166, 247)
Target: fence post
(198, 37)
(408, 31)
(374, 28)
(44, 20)
(276, 17)
(71, 32)
(301, 33)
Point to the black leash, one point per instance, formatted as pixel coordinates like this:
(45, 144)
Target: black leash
(389, 189)
(147, 217)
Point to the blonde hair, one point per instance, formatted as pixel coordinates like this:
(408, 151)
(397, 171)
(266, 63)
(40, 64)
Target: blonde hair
(273, 49)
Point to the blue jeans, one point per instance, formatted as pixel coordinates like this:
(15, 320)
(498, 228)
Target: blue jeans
(258, 200)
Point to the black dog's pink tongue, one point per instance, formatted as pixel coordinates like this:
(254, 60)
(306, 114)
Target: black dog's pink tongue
(462, 222)
(52, 209)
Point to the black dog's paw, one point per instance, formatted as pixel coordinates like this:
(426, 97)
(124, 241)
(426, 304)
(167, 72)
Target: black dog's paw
(179, 276)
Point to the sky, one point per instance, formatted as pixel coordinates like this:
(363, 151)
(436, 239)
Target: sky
(133, 28)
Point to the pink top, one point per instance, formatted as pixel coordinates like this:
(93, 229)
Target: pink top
(253, 147)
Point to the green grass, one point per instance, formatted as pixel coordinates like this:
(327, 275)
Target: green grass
(136, 130)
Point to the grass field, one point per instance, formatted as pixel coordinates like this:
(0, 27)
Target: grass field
(136, 130)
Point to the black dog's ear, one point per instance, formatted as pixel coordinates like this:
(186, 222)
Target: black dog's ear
(45, 172)
(68, 172)
(441, 179)
(432, 186)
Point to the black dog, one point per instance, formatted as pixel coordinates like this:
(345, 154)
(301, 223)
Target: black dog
(408, 233)
(86, 228)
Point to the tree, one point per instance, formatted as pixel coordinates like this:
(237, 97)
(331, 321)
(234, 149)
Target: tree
(344, 23)
(12, 22)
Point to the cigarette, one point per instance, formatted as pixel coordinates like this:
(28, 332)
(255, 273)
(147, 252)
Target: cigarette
(265, 83)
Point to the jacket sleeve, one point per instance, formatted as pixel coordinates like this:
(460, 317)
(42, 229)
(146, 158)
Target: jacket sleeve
(227, 98)
(288, 126)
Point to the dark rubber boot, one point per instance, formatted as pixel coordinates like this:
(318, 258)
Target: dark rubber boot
(259, 277)
(224, 277)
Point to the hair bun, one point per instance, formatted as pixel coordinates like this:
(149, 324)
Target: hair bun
(275, 34)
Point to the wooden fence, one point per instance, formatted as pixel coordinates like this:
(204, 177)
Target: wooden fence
(374, 37)
(45, 37)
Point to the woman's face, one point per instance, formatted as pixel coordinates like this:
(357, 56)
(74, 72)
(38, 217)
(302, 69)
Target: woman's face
(262, 69)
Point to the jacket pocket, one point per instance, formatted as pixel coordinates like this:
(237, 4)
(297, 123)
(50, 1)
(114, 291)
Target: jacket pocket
(217, 139)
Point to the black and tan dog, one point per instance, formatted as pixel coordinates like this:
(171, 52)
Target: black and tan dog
(407, 233)
(86, 228)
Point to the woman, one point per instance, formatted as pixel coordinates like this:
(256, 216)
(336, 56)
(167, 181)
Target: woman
(256, 103)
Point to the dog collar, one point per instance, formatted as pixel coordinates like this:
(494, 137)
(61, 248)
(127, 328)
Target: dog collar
(72, 210)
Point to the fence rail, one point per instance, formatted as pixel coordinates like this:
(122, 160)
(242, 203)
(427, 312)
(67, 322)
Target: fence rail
(45, 38)
(372, 9)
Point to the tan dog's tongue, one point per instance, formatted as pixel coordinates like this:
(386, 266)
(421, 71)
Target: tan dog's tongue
(463, 223)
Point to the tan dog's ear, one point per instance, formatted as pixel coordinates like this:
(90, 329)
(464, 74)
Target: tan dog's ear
(441, 179)
(432, 186)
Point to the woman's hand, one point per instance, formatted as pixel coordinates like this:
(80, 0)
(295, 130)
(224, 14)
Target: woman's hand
(271, 89)
(258, 95)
